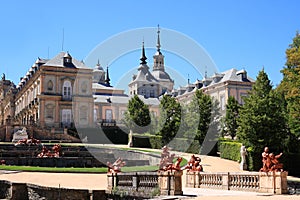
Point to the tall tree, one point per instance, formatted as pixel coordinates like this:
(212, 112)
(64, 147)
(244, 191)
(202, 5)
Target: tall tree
(170, 117)
(290, 85)
(230, 118)
(137, 116)
(202, 106)
(261, 119)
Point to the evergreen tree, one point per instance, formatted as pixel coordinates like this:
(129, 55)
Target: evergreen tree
(170, 117)
(137, 116)
(202, 106)
(230, 118)
(261, 119)
(290, 85)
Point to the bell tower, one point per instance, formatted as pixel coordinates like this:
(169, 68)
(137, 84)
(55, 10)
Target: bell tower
(158, 58)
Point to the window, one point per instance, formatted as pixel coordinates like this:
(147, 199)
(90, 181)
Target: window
(151, 93)
(222, 102)
(108, 115)
(50, 85)
(95, 114)
(67, 88)
(66, 117)
(122, 114)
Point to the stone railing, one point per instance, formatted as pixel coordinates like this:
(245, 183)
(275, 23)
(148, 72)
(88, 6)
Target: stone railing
(146, 184)
(271, 182)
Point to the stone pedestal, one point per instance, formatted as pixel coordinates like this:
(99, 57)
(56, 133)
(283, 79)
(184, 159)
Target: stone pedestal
(170, 182)
(111, 181)
(273, 182)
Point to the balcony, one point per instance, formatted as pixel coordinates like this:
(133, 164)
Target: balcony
(67, 98)
(107, 122)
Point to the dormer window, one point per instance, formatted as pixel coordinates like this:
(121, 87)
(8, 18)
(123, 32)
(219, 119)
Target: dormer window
(67, 59)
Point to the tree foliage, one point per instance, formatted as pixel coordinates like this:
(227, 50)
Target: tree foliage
(137, 115)
(261, 119)
(231, 116)
(290, 85)
(201, 105)
(170, 117)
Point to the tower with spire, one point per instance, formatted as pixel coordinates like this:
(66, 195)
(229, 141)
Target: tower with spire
(158, 58)
(154, 83)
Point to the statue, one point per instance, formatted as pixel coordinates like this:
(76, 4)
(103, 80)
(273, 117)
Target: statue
(46, 153)
(243, 164)
(3, 77)
(116, 166)
(194, 164)
(270, 162)
(2, 162)
(166, 158)
(28, 142)
(20, 135)
(166, 162)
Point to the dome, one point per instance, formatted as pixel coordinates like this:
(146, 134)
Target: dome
(161, 75)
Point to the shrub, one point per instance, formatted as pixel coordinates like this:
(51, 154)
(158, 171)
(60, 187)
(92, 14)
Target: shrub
(230, 150)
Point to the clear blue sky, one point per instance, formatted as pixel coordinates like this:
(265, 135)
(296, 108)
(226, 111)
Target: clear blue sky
(236, 34)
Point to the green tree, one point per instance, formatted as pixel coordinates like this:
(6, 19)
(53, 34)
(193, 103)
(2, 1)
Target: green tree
(290, 85)
(170, 117)
(230, 118)
(201, 105)
(261, 119)
(137, 117)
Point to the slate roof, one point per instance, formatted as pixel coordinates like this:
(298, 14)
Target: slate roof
(144, 75)
(123, 99)
(57, 61)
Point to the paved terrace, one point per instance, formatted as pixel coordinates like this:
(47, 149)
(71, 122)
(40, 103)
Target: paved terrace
(99, 181)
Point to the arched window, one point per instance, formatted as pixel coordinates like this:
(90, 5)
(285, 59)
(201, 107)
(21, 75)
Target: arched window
(50, 85)
(67, 90)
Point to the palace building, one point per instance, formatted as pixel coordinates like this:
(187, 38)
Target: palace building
(63, 93)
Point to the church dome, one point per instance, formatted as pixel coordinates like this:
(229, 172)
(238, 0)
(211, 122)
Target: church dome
(161, 75)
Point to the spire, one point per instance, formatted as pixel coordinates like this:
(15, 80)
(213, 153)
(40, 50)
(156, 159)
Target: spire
(143, 58)
(107, 80)
(158, 39)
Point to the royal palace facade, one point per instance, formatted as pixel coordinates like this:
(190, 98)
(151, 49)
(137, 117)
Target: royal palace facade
(62, 93)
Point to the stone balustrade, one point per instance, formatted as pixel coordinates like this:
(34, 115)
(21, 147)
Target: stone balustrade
(270, 182)
(145, 183)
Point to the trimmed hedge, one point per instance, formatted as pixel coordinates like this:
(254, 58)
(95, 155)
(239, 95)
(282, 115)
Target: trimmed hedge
(155, 142)
(230, 150)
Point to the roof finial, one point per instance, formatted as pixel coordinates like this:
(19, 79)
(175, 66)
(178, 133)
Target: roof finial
(188, 79)
(98, 63)
(205, 76)
(143, 58)
(107, 80)
(158, 39)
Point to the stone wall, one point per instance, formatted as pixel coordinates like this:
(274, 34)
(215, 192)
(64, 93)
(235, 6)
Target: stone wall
(23, 191)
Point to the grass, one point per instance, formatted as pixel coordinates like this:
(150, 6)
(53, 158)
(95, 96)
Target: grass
(74, 170)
